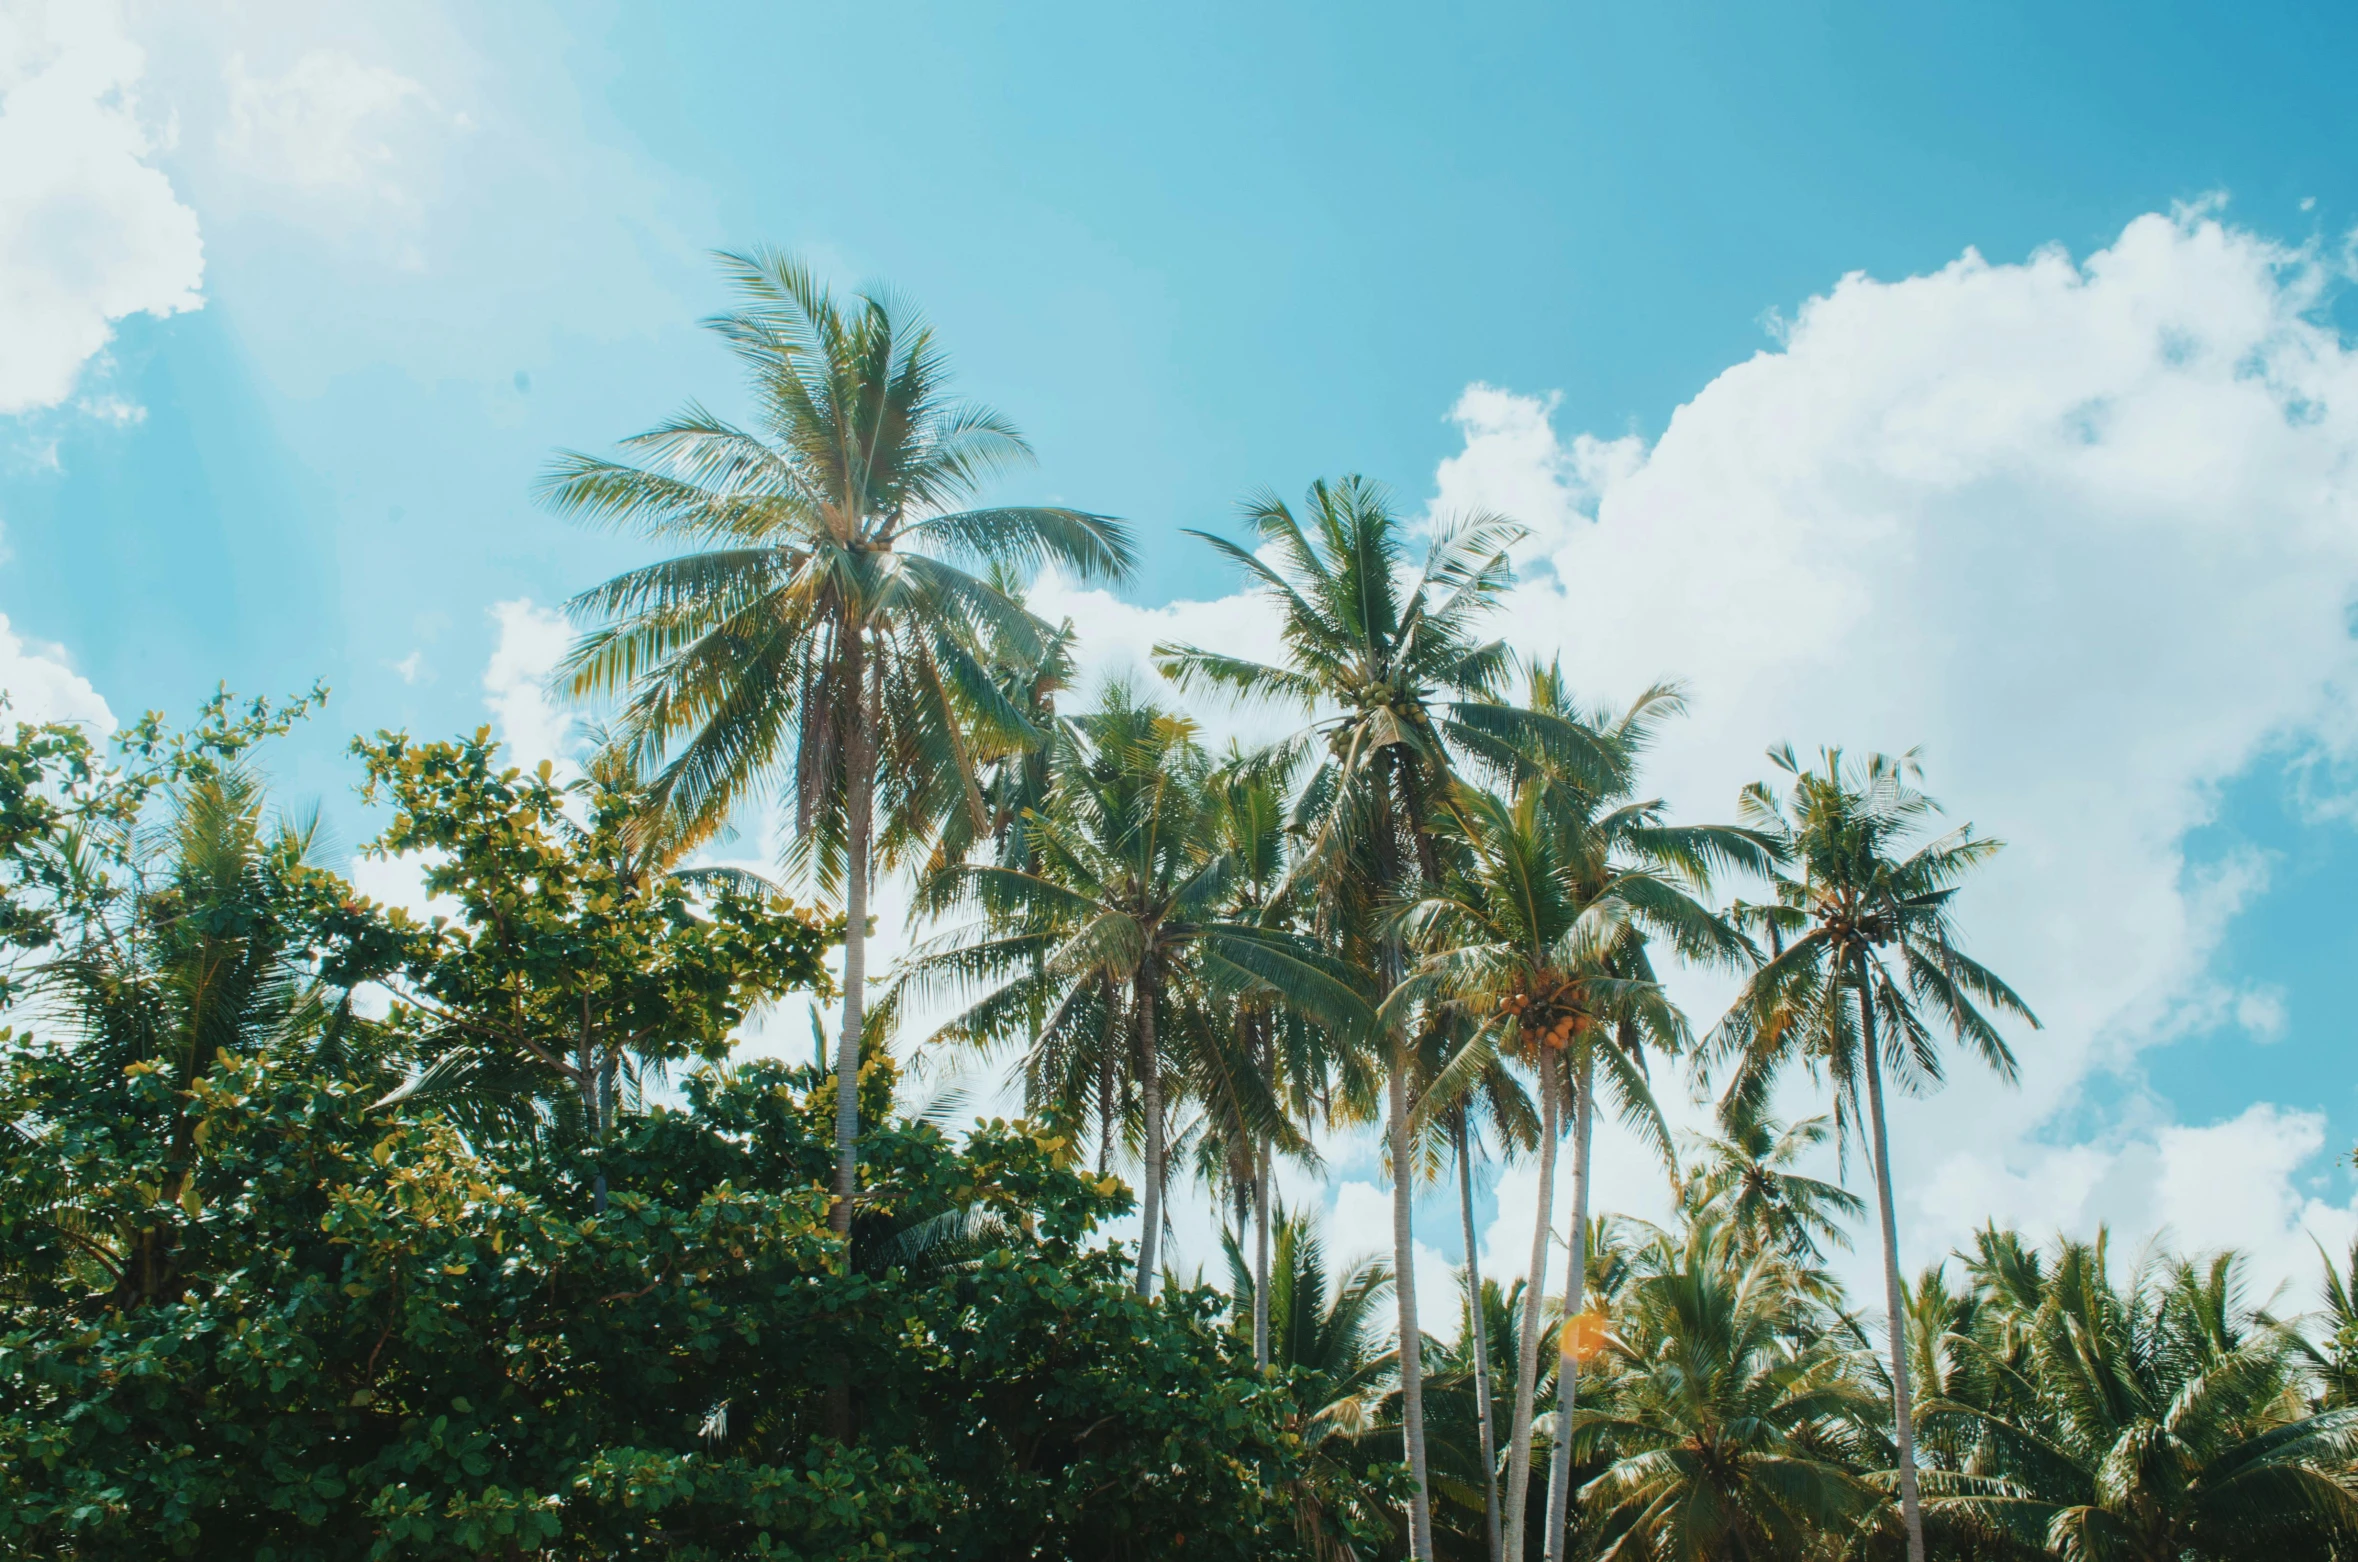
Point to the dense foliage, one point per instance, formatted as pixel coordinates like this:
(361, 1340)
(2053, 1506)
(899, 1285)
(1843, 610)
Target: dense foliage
(281, 1281)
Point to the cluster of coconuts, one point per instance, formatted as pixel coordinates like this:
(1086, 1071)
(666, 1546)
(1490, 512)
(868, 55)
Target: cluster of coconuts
(1556, 1032)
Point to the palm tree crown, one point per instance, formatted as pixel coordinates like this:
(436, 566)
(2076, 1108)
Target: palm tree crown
(819, 629)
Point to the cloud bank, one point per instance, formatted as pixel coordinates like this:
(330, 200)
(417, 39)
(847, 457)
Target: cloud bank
(90, 229)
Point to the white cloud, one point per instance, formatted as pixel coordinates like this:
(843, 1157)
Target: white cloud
(2088, 532)
(90, 229)
(41, 685)
(330, 122)
(411, 667)
(532, 641)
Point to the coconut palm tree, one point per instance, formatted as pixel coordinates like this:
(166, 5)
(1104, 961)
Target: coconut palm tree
(1868, 967)
(2149, 1422)
(1730, 1418)
(1495, 1106)
(1123, 898)
(1297, 1063)
(1328, 1337)
(819, 628)
(1608, 855)
(1747, 1179)
(1510, 939)
(1387, 664)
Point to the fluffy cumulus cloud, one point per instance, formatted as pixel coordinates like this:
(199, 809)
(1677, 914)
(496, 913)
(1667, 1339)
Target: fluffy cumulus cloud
(90, 229)
(41, 685)
(2082, 529)
(528, 719)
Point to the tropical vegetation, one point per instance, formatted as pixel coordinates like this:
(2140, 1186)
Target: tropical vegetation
(336, 1228)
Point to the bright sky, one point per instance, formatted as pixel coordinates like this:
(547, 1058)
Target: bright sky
(1966, 376)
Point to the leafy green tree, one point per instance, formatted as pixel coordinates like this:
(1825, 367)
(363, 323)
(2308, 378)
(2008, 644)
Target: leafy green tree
(1388, 665)
(374, 1334)
(574, 956)
(2147, 1423)
(1868, 966)
(820, 629)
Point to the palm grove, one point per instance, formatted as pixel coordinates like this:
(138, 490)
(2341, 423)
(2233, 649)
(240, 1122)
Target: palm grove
(330, 1230)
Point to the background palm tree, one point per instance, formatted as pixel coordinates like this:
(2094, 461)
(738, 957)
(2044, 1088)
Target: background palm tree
(1388, 665)
(820, 629)
(2147, 1423)
(1506, 939)
(1849, 908)
(1124, 896)
(1747, 1177)
(1727, 1413)
(1328, 1338)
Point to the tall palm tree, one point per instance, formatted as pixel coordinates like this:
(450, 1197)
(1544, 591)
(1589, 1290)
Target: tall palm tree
(1296, 1062)
(1387, 664)
(2147, 1423)
(1511, 939)
(1123, 896)
(1607, 855)
(1496, 1102)
(1730, 1420)
(1868, 942)
(819, 629)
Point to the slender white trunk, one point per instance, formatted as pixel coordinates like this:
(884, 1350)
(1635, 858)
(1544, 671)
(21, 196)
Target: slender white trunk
(862, 785)
(1261, 1257)
(1479, 1335)
(1902, 1400)
(1518, 1485)
(1412, 1364)
(1150, 1077)
(1559, 1484)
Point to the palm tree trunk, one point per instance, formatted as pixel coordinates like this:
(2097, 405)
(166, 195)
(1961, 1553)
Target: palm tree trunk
(1518, 1486)
(1481, 1340)
(861, 782)
(1903, 1408)
(1105, 1083)
(1412, 1365)
(1261, 1257)
(1150, 1078)
(1559, 1484)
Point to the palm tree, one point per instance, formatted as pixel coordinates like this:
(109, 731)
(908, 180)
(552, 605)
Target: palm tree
(1388, 667)
(1729, 1419)
(1494, 1098)
(2148, 1423)
(1866, 939)
(1122, 898)
(1295, 1061)
(1328, 1338)
(818, 628)
(1585, 846)
(2335, 1359)
(1747, 1179)
(1510, 939)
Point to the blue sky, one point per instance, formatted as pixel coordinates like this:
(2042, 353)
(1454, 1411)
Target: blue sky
(1194, 251)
